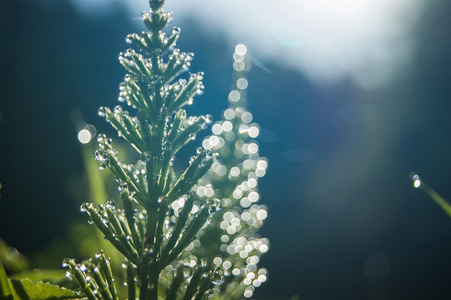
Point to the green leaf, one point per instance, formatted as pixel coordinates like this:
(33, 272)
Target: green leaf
(48, 275)
(26, 289)
(5, 289)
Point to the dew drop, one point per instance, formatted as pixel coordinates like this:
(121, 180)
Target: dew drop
(208, 119)
(100, 156)
(83, 268)
(84, 207)
(128, 39)
(99, 253)
(69, 275)
(203, 263)
(102, 111)
(145, 156)
(218, 278)
(200, 89)
(109, 204)
(66, 262)
(122, 186)
(127, 78)
(176, 30)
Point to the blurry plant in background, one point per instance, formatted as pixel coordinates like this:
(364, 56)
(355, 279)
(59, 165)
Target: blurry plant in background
(419, 183)
(190, 235)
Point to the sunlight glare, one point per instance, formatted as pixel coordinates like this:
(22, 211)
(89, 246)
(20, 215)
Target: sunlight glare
(84, 136)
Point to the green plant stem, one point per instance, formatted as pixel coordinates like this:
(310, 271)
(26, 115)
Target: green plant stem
(131, 289)
(152, 219)
(154, 279)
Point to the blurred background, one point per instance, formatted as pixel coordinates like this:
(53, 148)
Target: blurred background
(351, 97)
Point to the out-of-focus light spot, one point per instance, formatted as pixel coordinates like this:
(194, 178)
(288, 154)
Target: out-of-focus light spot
(263, 248)
(237, 194)
(416, 180)
(237, 57)
(417, 183)
(239, 66)
(84, 136)
(200, 191)
(377, 266)
(209, 192)
(253, 260)
(230, 136)
(252, 182)
(247, 281)
(177, 204)
(214, 140)
(254, 196)
(298, 155)
(244, 254)
(234, 96)
(227, 264)
(228, 216)
(241, 49)
(242, 83)
(260, 172)
(252, 148)
(231, 230)
(262, 164)
(224, 225)
(229, 114)
(219, 169)
(262, 214)
(246, 117)
(253, 131)
(244, 129)
(217, 261)
(217, 128)
(234, 171)
(251, 267)
(206, 144)
(245, 202)
(235, 222)
(227, 126)
(256, 283)
(224, 238)
(248, 164)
